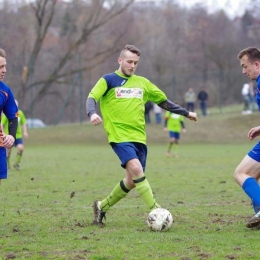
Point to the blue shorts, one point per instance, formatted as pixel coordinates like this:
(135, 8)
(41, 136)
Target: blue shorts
(174, 135)
(18, 141)
(3, 164)
(127, 151)
(255, 152)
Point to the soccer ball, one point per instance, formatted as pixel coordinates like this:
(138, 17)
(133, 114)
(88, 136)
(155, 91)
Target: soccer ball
(160, 219)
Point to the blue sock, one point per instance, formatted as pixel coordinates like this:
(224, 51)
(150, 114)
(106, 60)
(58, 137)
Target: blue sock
(252, 189)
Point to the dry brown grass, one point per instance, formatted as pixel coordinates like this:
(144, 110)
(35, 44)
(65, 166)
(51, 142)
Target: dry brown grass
(226, 127)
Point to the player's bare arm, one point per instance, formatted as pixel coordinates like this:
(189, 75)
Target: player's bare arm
(25, 133)
(192, 116)
(254, 132)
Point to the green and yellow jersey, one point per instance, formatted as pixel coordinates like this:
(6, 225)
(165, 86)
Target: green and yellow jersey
(122, 101)
(174, 122)
(21, 121)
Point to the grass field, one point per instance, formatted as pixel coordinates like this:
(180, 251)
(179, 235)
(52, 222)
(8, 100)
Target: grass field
(46, 207)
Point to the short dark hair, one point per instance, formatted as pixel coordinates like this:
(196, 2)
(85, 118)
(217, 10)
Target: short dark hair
(252, 53)
(2, 53)
(131, 48)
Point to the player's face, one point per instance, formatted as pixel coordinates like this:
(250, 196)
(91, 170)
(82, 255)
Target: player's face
(128, 63)
(2, 68)
(251, 70)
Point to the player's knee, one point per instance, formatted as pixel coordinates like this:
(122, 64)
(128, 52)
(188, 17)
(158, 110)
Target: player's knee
(238, 174)
(235, 175)
(134, 168)
(136, 172)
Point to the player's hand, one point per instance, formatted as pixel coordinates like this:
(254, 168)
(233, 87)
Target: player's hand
(255, 131)
(192, 116)
(95, 119)
(25, 134)
(165, 129)
(8, 141)
(184, 130)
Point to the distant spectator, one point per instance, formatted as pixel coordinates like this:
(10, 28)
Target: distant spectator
(158, 114)
(203, 98)
(252, 96)
(147, 110)
(190, 99)
(245, 97)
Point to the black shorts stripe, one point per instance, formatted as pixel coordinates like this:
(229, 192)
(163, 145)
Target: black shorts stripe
(139, 180)
(123, 187)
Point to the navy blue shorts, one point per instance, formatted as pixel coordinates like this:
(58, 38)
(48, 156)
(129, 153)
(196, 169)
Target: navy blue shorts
(18, 141)
(174, 135)
(255, 152)
(3, 164)
(128, 151)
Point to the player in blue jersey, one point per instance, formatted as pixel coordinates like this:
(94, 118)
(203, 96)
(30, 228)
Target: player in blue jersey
(247, 172)
(122, 97)
(9, 108)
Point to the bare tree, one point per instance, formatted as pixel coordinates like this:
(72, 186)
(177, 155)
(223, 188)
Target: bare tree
(90, 17)
(49, 43)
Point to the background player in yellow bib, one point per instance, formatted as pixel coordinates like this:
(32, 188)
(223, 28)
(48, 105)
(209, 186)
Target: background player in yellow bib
(122, 96)
(20, 133)
(174, 124)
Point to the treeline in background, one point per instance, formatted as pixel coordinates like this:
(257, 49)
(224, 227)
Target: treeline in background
(57, 50)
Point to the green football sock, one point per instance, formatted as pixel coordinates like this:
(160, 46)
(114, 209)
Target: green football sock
(169, 147)
(18, 158)
(143, 187)
(175, 148)
(117, 194)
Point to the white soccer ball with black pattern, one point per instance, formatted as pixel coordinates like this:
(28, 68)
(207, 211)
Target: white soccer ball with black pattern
(160, 219)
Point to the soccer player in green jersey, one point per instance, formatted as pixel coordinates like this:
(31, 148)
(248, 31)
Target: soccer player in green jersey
(21, 131)
(122, 96)
(173, 124)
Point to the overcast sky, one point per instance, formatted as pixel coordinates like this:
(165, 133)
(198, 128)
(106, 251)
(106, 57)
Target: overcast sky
(231, 7)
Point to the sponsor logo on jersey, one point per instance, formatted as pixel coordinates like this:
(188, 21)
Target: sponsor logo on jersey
(175, 116)
(129, 93)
